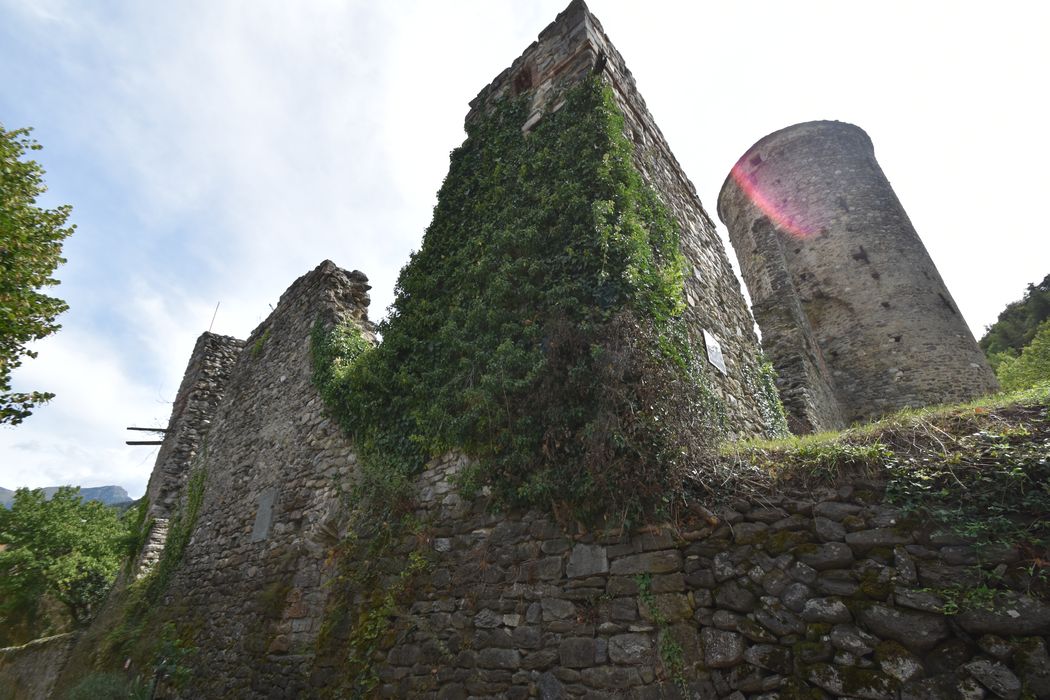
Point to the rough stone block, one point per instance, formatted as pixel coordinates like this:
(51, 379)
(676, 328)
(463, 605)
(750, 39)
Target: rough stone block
(661, 562)
(587, 560)
(577, 652)
(722, 649)
(630, 648)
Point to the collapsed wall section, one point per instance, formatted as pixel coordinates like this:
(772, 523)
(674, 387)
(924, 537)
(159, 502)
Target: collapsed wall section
(818, 229)
(248, 592)
(202, 388)
(569, 50)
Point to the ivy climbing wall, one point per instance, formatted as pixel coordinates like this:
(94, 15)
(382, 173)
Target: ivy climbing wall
(287, 587)
(573, 47)
(303, 563)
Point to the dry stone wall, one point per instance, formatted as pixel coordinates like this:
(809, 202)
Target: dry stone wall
(199, 395)
(816, 594)
(573, 47)
(804, 595)
(853, 312)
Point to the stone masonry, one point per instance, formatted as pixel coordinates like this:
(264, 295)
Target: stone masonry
(853, 313)
(250, 583)
(810, 594)
(30, 671)
(573, 47)
(199, 395)
(807, 593)
(790, 594)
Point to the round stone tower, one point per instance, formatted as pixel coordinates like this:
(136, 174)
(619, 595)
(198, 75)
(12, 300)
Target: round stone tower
(853, 313)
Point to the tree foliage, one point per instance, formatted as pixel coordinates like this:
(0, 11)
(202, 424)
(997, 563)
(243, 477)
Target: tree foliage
(1031, 367)
(1017, 324)
(30, 250)
(60, 550)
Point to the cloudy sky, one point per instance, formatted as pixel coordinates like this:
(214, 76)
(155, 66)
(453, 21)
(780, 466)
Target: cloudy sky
(215, 150)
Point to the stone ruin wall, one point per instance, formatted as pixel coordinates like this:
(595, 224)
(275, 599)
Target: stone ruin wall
(812, 594)
(31, 670)
(199, 395)
(830, 592)
(567, 51)
(794, 595)
(853, 312)
(249, 588)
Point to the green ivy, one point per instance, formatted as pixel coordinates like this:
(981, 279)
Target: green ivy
(179, 533)
(366, 599)
(990, 487)
(144, 594)
(672, 656)
(772, 408)
(538, 329)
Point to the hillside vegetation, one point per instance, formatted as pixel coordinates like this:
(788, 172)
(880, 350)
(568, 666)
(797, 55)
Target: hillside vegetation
(1017, 324)
(58, 558)
(106, 495)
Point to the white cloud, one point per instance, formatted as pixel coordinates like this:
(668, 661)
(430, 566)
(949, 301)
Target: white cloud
(79, 437)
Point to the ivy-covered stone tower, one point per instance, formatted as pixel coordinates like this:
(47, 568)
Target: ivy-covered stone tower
(571, 322)
(572, 49)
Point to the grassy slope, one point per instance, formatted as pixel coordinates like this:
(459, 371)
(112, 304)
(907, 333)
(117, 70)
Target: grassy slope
(980, 470)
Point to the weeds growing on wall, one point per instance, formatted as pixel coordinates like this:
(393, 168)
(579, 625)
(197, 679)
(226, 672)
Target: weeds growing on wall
(980, 470)
(764, 387)
(375, 578)
(537, 329)
(134, 637)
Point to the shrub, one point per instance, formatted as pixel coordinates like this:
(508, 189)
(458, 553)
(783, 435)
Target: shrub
(1033, 365)
(108, 686)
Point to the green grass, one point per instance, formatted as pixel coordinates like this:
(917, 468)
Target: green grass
(983, 410)
(979, 469)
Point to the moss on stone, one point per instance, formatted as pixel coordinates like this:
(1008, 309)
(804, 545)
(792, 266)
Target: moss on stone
(787, 540)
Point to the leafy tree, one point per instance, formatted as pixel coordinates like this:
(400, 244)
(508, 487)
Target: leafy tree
(1017, 324)
(1033, 365)
(62, 549)
(30, 250)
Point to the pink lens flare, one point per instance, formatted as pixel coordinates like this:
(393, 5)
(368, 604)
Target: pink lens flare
(782, 219)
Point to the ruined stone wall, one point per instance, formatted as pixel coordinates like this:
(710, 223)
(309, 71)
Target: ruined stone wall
(573, 47)
(795, 595)
(30, 671)
(811, 201)
(804, 594)
(249, 589)
(199, 395)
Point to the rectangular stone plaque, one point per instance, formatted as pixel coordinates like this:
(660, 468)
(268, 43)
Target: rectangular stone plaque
(714, 351)
(264, 514)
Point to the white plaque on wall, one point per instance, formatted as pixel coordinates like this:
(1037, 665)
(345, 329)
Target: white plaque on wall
(714, 352)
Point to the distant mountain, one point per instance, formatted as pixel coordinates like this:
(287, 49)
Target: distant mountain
(108, 495)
